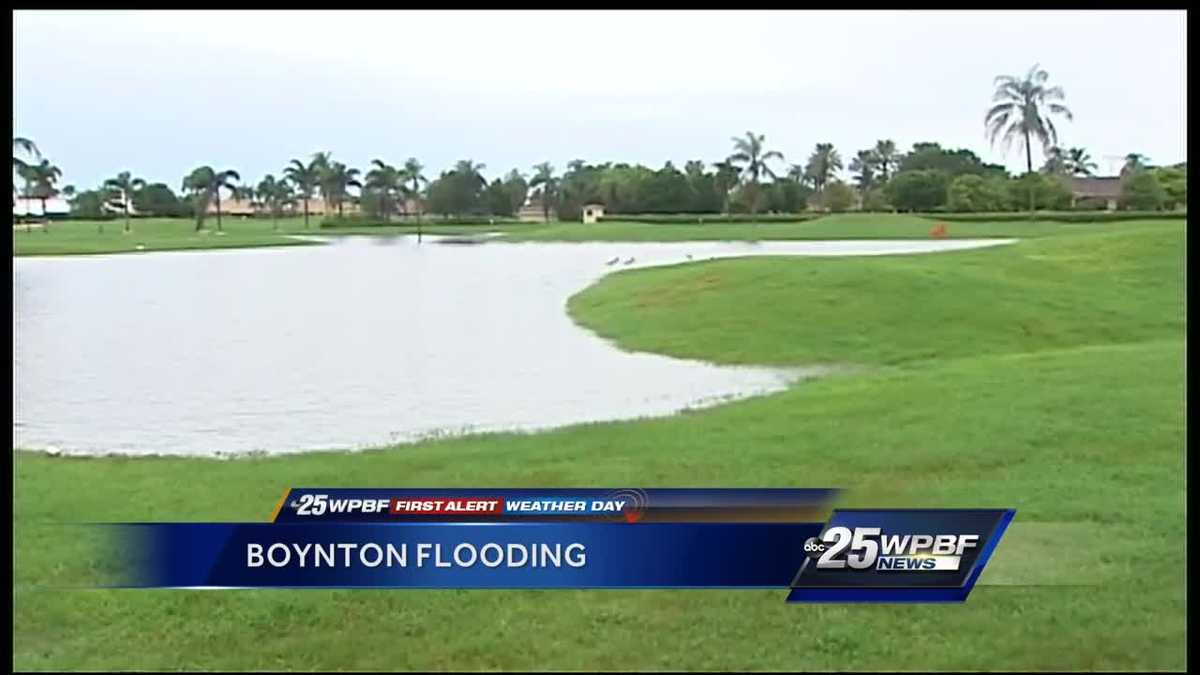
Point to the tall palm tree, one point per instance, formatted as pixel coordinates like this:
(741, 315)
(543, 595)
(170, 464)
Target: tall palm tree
(274, 193)
(863, 166)
(26, 147)
(23, 146)
(305, 177)
(125, 184)
(543, 177)
(886, 158)
(823, 163)
(42, 178)
(205, 184)
(322, 162)
(412, 173)
(1023, 110)
(388, 181)
(749, 151)
(339, 180)
(1079, 162)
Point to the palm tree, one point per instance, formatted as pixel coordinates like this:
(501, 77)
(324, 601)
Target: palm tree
(27, 147)
(749, 151)
(412, 172)
(1134, 162)
(727, 176)
(822, 164)
(1023, 110)
(544, 178)
(1079, 162)
(1056, 161)
(24, 146)
(126, 185)
(274, 194)
(247, 193)
(42, 178)
(339, 180)
(886, 158)
(466, 167)
(322, 162)
(388, 181)
(205, 184)
(863, 166)
(305, 178)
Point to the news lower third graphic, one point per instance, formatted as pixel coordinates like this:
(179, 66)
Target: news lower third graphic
(789, 539)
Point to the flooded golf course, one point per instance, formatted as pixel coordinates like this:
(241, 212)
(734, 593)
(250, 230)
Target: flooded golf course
(358, 343)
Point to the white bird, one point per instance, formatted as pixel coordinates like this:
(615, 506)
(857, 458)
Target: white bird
(613, 261)
(629, 261)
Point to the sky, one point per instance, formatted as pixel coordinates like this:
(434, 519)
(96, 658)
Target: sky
(159, 93)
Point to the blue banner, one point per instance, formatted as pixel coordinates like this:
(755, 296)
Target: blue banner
(576, 538)
(468, 555)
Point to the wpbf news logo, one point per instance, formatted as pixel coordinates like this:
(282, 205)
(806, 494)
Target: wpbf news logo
(899, 555)
(863, 548)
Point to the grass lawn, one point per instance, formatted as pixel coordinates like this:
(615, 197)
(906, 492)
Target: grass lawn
(1047, 376)
(165, 234)
(161, 234)
(839, 226)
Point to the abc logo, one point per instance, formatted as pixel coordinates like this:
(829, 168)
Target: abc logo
(813, 547)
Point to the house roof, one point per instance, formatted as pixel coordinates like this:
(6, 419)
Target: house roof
(1106, 187)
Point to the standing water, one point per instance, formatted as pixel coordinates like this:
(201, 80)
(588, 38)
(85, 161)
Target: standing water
(361, 342)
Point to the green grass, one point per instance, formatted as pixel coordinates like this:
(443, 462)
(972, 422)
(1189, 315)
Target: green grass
(1047, 376)
(162, 234)
(841, 226)
(166, 234)
(1115, 285)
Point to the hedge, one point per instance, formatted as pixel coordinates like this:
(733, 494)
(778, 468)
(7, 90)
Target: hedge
(1057, 216)
(703, 218)
(369, 221)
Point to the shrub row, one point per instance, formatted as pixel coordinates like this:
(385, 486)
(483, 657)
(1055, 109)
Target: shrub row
(369, 221)
(1057, 216)
(703, 218)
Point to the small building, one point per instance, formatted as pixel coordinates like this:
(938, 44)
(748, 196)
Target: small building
(532, 212)
(1101, 189)
(116, 206)
(234, 207)
(592, 213)
(30, 206)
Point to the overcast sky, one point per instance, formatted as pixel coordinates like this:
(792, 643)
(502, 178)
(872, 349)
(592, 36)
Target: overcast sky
(159, 93)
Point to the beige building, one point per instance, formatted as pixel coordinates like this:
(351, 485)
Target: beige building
(316, 207)
(234, 207)
(1107, 189)
(532, 212)
(592, 213)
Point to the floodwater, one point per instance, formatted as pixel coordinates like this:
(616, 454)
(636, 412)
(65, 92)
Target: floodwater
(362, 342)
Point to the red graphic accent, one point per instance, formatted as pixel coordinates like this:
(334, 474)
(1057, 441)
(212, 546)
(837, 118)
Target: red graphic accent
(442, 506)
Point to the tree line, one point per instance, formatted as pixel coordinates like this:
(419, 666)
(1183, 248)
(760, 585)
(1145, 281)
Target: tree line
(751, 179)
